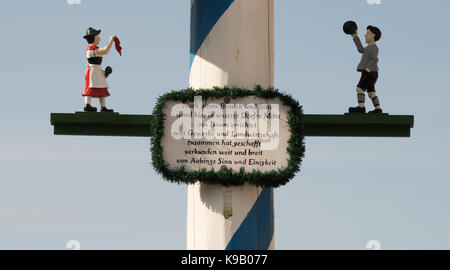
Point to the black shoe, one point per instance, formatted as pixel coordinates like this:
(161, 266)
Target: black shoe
(104, 109)
(357, 109)
(376, 111)
(89, 108)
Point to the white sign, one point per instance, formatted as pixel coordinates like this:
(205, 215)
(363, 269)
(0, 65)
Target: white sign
(223, 133)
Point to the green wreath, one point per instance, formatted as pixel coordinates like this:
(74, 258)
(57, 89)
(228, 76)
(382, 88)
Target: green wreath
(230, 177)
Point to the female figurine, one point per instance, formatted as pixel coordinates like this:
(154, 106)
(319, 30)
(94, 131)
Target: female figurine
(95, 77)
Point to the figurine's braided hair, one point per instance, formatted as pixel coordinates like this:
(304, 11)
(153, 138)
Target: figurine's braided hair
(376, 31)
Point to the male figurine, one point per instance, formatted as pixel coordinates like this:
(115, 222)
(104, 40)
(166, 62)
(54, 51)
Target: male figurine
(95, 77)
(369, 70)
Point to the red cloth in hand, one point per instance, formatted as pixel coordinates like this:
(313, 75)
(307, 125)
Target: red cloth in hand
(118, 48)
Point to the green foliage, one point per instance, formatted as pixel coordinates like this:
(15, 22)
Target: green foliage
(228, 176)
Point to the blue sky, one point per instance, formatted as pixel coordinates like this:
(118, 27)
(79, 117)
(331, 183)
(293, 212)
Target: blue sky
(103, 191)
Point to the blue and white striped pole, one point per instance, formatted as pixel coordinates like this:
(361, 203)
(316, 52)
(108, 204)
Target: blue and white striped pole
(231, 44)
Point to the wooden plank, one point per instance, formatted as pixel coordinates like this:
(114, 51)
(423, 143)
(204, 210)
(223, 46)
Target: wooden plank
(347, 125)
(358, 125)
(101, 124)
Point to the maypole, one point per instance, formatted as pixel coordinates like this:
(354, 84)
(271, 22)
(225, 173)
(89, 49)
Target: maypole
(231, 45)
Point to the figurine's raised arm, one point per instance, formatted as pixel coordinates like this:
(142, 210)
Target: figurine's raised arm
(358, 44)
(105, 50)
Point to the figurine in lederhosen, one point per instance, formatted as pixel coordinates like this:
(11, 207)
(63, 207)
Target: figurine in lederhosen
(95, 77)
(368, 66)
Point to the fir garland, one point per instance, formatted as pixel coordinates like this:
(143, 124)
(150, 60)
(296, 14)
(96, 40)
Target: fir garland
(230, 177)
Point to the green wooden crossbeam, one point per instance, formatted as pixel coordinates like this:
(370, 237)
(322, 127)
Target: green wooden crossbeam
(348, 125)
(101, 124)
(358, 125)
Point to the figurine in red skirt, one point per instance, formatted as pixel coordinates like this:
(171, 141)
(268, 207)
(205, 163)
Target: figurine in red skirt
(95, 77)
